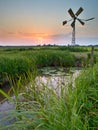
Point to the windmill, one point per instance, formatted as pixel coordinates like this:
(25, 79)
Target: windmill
(74, 19)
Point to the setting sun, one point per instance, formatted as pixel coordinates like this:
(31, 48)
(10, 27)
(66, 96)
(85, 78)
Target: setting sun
(40, 40)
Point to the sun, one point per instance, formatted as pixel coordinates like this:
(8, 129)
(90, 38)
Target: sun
(41, 40)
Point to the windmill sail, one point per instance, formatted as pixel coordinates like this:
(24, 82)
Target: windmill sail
(71, 13)
(64, 22)
(89, 19)
(73, 24)
(81, 21)
(79, 11)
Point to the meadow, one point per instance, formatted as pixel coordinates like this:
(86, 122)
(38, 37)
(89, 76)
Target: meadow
(42, 109)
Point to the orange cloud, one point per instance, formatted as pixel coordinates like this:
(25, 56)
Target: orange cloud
(37, 37)
(29, 37)
(6, 35)
(27, 34)
(9, 35)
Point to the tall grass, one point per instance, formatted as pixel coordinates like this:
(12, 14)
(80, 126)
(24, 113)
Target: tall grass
(18, 62)
(54, 58)
(74, 109)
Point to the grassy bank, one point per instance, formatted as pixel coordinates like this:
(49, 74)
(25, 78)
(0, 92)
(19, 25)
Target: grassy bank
(42, 109)
(15, 62)
(18, 60)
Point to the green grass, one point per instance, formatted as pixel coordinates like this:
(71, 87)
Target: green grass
(75, 109)
(17, 60)
(14, 62)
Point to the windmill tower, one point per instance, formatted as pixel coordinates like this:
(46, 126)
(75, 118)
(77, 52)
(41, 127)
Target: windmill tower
(74, 19)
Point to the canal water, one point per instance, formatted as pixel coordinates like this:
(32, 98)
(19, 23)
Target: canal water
(49, 76)
(54, 78)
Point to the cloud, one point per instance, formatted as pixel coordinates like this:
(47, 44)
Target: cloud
(28, 34)
(4, 32)
(87, 40)
(11, 33)
(44, 38)
(57, 37)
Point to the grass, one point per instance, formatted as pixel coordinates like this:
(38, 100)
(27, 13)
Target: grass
(42, 109)
(14, 62)
(18, 60)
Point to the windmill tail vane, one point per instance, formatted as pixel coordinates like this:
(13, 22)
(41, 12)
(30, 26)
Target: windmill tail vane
(75, 18)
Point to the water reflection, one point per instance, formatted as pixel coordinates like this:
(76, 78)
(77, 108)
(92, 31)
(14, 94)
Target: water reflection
(56, 78)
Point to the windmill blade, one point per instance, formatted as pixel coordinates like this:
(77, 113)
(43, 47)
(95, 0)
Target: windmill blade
(81, 21)
(73, 24)
(64, 22)
(89, 19)
(71, 13)
(79, 11)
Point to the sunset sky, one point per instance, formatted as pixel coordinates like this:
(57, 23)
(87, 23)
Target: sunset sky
(38, 22)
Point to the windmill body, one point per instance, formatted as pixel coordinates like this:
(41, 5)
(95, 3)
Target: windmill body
(73, 33)
(74, 19)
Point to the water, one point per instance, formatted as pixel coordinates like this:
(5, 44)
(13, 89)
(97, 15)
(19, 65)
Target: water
(54, 78)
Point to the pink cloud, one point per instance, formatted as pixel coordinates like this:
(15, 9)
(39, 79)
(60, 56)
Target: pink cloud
(28, 34)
